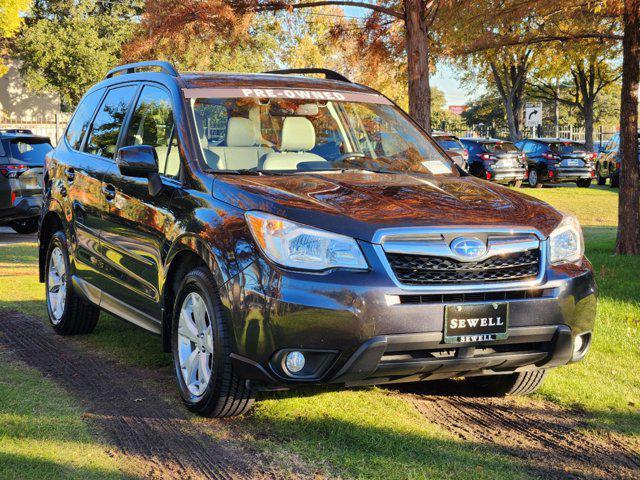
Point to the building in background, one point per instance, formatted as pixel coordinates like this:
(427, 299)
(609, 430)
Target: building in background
(457, 109)
(17, 104)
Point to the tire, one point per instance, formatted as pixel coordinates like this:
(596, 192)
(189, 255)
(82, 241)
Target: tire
(225, 393)
(534, 181)
(25, 227)
(68, 313)
(522, 383)
(614, 181)
(599, 178)
(584, 183)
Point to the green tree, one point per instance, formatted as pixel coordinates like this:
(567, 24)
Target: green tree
(10, 22)
(587, 69)
(66, 46)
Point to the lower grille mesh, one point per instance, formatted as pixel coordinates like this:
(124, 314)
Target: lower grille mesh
(429, 270)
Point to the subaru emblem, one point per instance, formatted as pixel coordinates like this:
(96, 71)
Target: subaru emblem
(468, 248)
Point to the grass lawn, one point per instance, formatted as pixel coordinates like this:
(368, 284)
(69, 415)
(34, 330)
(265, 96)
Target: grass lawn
(370, 432)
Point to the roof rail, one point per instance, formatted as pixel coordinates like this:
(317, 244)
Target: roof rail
(24, 131)
(328, 74)
(165, 67)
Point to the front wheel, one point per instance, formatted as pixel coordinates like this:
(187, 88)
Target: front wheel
(584, 183)
(534, 180)
(600, 179)
(25, 227)
(201, 348)
(522, 383)
(68, 313)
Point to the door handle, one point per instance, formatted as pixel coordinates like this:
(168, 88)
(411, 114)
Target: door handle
(109, 191)
(70, 173)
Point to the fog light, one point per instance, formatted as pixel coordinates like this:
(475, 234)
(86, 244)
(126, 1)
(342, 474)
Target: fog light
(581, 345)
(294, 362)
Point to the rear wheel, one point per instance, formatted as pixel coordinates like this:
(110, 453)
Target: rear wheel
(522, 383)
(201, 348)
(25, 227)
(614, 181)
(584, 183)
(601, 180)
(68, 313)
(534, 180)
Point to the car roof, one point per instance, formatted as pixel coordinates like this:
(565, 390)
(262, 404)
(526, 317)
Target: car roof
(12, 133)
(230, 79)
(485, 140)
(554, 140)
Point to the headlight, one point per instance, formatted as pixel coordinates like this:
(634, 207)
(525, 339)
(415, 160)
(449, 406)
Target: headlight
(298, 246)
(566, 243)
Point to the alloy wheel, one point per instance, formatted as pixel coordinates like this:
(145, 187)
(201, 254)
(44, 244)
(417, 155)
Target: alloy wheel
(195, 344)
(57, 285)
(533, 178)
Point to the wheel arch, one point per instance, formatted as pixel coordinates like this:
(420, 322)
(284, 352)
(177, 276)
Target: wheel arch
(50, 223)
(187, 252)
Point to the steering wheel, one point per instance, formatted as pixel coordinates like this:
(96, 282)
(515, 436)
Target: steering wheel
(345, 156)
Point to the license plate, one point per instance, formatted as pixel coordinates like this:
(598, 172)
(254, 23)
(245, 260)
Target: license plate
(484, 322)
(573, 163)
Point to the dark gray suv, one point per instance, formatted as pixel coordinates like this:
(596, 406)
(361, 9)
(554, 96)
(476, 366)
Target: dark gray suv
(21, 165)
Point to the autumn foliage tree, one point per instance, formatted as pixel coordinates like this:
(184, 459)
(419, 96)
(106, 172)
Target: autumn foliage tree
(10, 21)
(165, 19)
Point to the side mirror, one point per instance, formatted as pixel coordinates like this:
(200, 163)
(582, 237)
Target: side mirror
(140, 161)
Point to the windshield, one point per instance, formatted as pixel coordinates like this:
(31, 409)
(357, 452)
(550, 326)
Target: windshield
(289, 135)
(501, 147)
(30, 152)
(566, 148)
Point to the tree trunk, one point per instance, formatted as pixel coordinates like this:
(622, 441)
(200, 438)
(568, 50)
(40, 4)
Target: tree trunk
(512, 121)
(556, 108)
(628, 242)
(588, 123)
(417, 45)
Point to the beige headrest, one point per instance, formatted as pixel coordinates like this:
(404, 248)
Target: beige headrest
(298, 135)
(241, 133)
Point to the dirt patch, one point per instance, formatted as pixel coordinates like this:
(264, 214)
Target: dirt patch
(130, 412)
(551, 441)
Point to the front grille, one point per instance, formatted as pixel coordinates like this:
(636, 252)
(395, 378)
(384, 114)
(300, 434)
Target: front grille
(462, 297)
(430, 270)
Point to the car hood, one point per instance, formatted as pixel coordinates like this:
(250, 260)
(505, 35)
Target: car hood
(359, 203)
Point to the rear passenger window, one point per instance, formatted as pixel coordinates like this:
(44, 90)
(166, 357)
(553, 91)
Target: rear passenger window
(108, 122)
(152, 124)
(80, 121)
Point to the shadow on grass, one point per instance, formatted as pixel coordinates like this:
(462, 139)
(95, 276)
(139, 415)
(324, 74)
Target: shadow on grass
(353, 447)
(27, 467)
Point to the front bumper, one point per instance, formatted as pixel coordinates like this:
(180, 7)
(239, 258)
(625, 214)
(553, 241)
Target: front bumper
(371, 331)
(23, 208)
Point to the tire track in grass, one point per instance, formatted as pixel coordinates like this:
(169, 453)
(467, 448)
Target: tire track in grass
(551, 441)
(133, 418)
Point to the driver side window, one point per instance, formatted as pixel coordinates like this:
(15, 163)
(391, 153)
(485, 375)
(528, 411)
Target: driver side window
(152, 124)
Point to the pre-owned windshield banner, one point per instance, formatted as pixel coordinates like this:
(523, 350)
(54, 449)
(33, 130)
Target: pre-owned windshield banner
(292, 94)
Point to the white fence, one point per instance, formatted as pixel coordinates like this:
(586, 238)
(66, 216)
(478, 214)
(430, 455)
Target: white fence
(39, 126)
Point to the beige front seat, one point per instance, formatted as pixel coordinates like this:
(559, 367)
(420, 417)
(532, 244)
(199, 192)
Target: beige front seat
(298, 137)
(242, 150)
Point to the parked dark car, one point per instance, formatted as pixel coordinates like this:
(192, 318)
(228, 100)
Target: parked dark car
(554, 160)
(265, 262)
(21, 165)
(454, 148)
(608, 162)
(495, 160)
